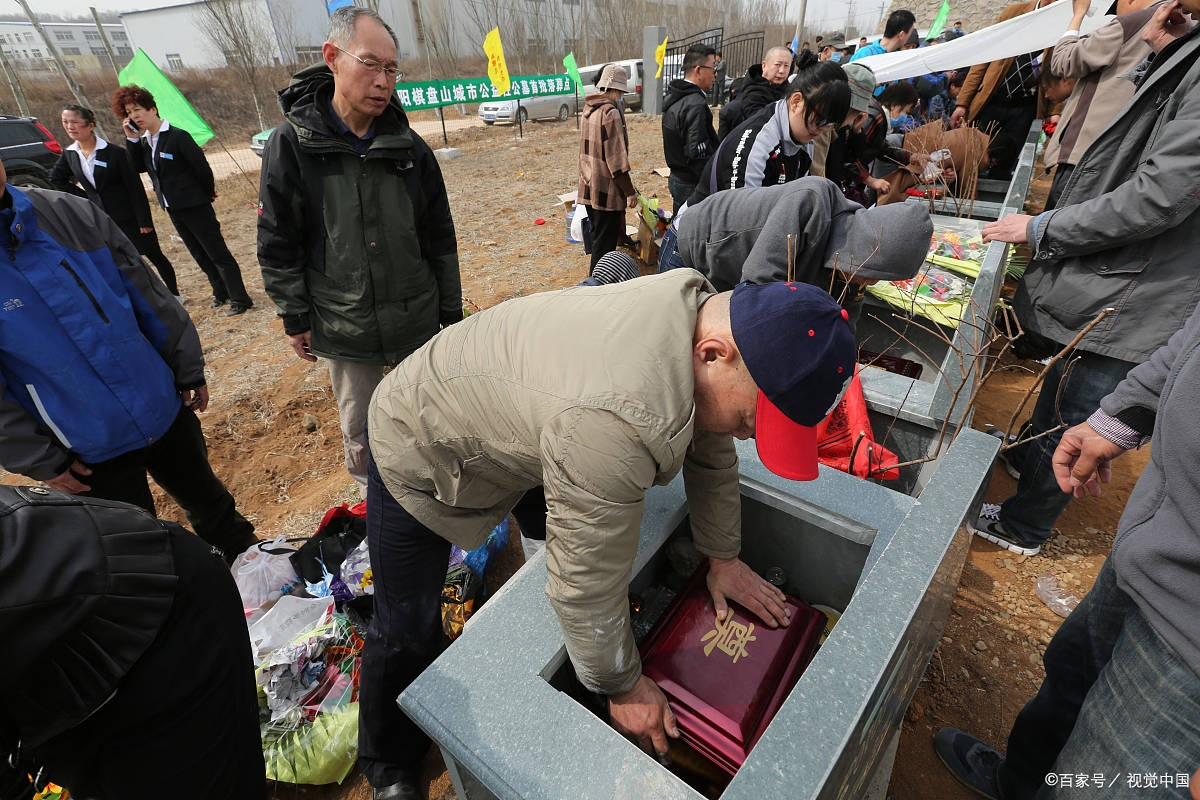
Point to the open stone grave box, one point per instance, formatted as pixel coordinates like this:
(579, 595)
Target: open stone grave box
(907, 413)
(511, 721)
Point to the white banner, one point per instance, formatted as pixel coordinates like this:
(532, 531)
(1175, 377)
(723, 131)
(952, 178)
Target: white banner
(1035, 30)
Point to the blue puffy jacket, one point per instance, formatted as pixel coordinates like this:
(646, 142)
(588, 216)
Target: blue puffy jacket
(93, 349)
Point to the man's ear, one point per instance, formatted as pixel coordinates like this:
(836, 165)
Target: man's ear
(714, 348)
(329, 54)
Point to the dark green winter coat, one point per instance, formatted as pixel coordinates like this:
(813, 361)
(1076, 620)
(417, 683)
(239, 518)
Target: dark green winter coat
(358, 249)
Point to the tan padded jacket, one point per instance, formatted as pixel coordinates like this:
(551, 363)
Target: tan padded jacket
(1106, 64)
(589, 392)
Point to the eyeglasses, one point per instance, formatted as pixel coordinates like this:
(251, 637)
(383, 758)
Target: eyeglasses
(706, 66)
(392, 71)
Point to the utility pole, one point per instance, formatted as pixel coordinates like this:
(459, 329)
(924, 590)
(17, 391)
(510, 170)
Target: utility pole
(14, 84)
(112, 57)
(587, 34)
(80, 97)
(800, 19)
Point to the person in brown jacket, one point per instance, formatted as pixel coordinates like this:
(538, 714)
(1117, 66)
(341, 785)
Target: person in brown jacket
(587, 398)
(1106, 63)
(605, 188)
(1003, 98)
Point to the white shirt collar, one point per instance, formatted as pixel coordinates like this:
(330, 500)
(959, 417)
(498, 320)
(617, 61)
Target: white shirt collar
(100, 143)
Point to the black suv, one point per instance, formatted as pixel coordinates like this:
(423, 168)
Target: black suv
(28, 151)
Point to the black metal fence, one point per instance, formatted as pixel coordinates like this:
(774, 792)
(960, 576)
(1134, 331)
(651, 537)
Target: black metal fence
(737, 54)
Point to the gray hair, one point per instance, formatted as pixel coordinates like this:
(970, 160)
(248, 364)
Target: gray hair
(342, 22)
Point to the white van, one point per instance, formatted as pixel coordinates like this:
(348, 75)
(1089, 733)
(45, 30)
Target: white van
(633, 68)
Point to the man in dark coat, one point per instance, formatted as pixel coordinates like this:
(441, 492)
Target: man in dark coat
(355, 237)
(762, 85)
(688, 136)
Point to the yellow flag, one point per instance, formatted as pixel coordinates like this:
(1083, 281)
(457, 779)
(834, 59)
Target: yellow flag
(497, 69)
(660, 55)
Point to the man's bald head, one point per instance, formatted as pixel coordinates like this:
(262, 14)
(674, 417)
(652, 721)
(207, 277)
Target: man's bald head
(777, 65)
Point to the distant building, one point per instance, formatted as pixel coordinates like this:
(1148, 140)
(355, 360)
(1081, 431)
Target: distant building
(78, 43)
(174, 36)
(295, 29)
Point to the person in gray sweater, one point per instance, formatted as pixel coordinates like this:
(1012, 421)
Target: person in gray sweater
(1122, 687)
(743, 235)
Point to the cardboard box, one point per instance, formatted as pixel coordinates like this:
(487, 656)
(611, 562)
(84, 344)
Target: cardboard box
(725, 680)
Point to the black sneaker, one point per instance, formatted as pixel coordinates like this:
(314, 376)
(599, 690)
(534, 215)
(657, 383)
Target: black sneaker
(1008, 457)
(970, 761)
(235, 309)
(219, 301)
(988, 526)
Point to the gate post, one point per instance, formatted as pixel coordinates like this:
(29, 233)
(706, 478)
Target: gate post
(652, 90)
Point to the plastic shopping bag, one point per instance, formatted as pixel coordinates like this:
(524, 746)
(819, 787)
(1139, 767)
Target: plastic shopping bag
(310, 688)
(846, 442)
(263, 571)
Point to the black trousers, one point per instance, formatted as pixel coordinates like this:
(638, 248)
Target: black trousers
(147, 245)
(408, 562)
(1008, 123)
(607, 227)
(185, 718)
(178, 462)
(201, 234)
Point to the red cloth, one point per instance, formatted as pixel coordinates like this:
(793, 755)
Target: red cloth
(344, 510)
(839, 431)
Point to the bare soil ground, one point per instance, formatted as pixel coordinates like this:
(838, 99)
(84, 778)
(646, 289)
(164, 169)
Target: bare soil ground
(285, 477)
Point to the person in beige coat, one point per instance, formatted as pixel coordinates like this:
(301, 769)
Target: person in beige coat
(593, 394)
(1106, 64)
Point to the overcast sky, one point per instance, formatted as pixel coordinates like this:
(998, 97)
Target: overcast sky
(821, 14)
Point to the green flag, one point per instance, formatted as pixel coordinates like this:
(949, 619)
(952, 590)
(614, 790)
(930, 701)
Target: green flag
(939, 22)
(573, 70)
(172, 105)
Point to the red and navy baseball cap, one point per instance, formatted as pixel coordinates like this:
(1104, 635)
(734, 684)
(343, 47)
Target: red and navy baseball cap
(798, 346)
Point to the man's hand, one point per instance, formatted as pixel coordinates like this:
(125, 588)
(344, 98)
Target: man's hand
(732, 579)
(195, 399)
(1082, 461)
(67, 482)
(643, 715)
(879, 185)
(1012, 229)
(302, 344)
(145, 230)
(958, 117)
(631, 202)
(1167, 25)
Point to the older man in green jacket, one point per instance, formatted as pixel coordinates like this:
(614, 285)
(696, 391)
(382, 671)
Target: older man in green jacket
(595, 394)
(355, 237)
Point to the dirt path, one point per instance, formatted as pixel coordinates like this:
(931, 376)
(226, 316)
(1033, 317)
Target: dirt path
(285, 476)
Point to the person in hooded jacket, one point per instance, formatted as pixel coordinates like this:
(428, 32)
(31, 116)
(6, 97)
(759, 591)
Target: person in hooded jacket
(776, 144)
(605, 188)
(355, 237)
(762, 85)
(805, 231)
(688, 135)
